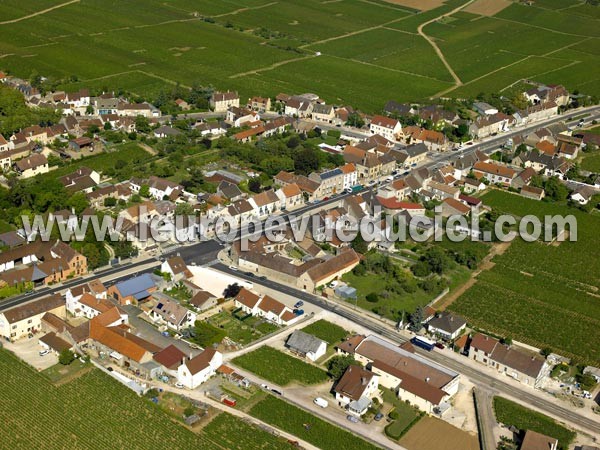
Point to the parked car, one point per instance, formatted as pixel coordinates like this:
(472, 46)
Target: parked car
(319, 401)
(165, 333)
(44, 352)
(352, 418)
(110, 369)
(275, 391)
(298, 312)
(333, 284)
(264, 386)
(348, 190)
(179, 385)
(233, 268)
(298, 304)
(440, 345)
(378, 417)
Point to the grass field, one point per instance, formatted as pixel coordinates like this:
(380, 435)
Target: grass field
(294, 420)
(329, 332)
(510, 413)
(591, 162)
(240, 332)
(371, 51)
(282, 369)
(407, 415)
(534, 284)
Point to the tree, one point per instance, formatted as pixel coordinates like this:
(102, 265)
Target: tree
(546, 351)
(66, 357)
(79, 202)
(189, 411)
(555, 189)
(437, 260)
(142, 124)
(89, 110)
(110, 201)
(306, 161)
(144, 191)
(232, 290)
(184, 209)
(254, 185)
(415, 320)
(337, 365)
(359, 245)
(372, 297)
(354, 120)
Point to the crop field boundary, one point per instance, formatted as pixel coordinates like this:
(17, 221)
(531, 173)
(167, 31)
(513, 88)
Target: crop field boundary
(38, 13)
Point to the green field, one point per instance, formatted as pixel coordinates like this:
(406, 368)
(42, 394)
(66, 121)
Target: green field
(407, 415)
(282, 369)
(93, 411)
(535, 284)
(591, 162)
(329, 332)
(510, 413)
(231, 433)
(370, 50)
(96, 412)
(294, 420)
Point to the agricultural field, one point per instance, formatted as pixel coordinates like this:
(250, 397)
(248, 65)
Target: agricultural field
(95, 412)
(229, 432)
(370, 52)
(306, 426)
(534, 284)
(281, 369)
(510, 413)
(242, 332)
(434, 434)
(329, 332)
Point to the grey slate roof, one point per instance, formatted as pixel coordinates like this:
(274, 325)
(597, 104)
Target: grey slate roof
(303, 342)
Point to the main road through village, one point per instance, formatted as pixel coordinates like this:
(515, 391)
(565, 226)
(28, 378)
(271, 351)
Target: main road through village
(204, 253)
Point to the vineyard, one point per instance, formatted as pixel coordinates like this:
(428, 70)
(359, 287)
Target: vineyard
(306, 426)
(539, 293)
(96, 412)
(282, 369)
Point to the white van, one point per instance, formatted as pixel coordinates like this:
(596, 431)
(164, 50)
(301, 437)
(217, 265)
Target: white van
(321, 402)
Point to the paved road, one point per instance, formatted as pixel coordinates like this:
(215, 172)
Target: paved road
(478, 377)
(485, 419)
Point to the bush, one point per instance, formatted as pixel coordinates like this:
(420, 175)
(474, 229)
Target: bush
(189, 411)
(66, 357)
(372, 297)
(394, 415)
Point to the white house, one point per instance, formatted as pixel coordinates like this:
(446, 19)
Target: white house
(306, 345)
(170, 313)
(447, 325)
(90, 306)
(355, 389)
(193, 372)
(264, 306)
(176, 267)
(385, 126)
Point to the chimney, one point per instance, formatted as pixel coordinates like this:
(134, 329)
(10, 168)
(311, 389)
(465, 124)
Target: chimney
(363, 381)
(191, 356)
(427, 380)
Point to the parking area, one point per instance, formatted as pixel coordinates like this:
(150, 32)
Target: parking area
(28, 350)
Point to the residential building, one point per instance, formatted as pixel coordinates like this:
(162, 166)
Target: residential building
(264, 306)
(222, 101)
(484, 108)
(170, 358)
(328, 270)
(170, 313)
(323, 113)
(487, 125)
(494, 173)
(193, 372)
(291, 197)
(355, 389)
(177, 268)
(538, 441)
(523, 366)
(26, 319)
(32, 165)
(385, 126)
(443, 191)
(446, 325)
(259, 104)
(413, 378)
(306, 345)
(583, 194)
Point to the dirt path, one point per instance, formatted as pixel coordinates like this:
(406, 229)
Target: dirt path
(486, 264)
(440, 54)
(271, 67)
(44, 11)
(249, 8)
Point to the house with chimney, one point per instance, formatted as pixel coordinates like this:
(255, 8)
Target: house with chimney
(494, 173)
(264, 306)
(170, 313)
(355, 389)
(222, 101)
(31, 166)
(194, 371)
(20, 321)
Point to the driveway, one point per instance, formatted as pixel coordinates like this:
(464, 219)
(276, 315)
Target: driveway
(29, 351)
